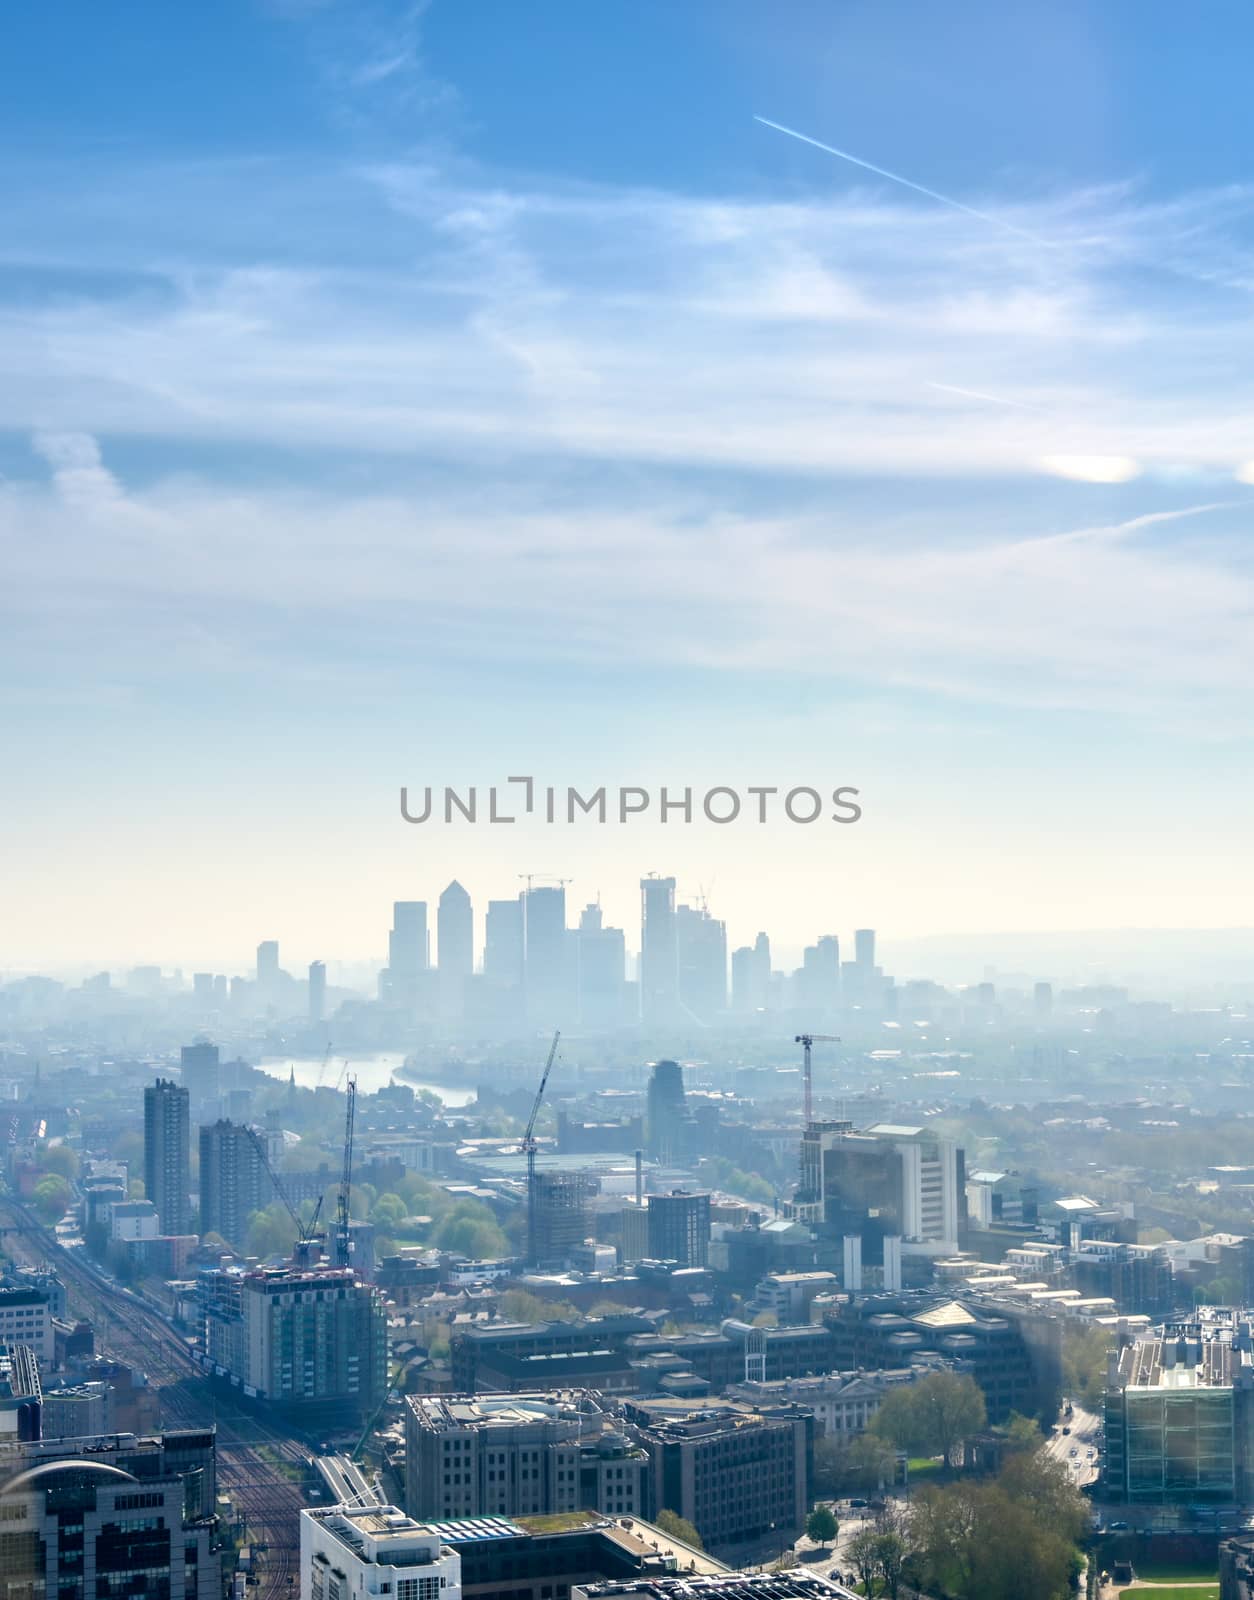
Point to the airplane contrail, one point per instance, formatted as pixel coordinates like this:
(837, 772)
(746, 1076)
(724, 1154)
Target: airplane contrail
(896, 177)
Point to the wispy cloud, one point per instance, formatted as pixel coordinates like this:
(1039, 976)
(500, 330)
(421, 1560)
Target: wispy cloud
(743, 419)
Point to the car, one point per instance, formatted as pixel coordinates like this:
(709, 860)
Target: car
(1066, 1430)
(1073, 1451)
(857, 1505)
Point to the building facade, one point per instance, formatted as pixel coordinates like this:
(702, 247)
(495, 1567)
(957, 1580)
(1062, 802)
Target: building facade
(233, 1180)
(369, 1552)
(167, 1154)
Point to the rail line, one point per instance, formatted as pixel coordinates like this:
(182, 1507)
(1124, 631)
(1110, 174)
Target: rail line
(134, 1332)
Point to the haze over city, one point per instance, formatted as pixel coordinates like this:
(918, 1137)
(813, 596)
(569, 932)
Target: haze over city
(482, 399)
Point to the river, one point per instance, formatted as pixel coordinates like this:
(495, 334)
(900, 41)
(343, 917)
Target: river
(373, 1072)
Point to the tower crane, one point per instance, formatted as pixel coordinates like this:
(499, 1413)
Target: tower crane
(305, 1234)
(343, 1233)
(529, 1146)
(807, 1041)
(326, 1061)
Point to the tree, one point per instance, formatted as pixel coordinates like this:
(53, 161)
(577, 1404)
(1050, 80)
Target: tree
(933, 1416)
(677, 1527)
(862, 1553)
(861, 1465)
(821, 1525)
(471, 1230)
(388, 1210)
(892, 1547)
(1085, 1352)
(52, 1196)
(1022, 1433)
(58, 1159)
(766, 1319)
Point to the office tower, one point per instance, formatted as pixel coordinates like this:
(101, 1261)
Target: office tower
(561, 1217)
(761, 973)
(167, 1154)
(666, 1111)
(602, 971)
(221, 990)
(503, 944)
(701, 953)
(317, 990)
(69, 1509)
(679, 1228)
(268, 964)
(548, 977)
(233, 1180)
(890, 1180)
(734, 1471)
(202, 988)
(497, 1455)
(819, 979)
(26, 1319)
(455, 947)
(402, 981)
(21, 1395)
(364, 1551)
(310, 1342)
(199, 1064)
(1043, 999)
(742, 979)
(864, 947)
(659, 952)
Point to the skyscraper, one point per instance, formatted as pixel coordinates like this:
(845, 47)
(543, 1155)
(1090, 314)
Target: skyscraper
(659, 952)
(602, 971)
(199, 1064)
(233, 1180)
(401, 982)
(267, 963)
(503, 944)
(701, 948)
(317, 990)
(818, 987)
(455, 933)
(666, 1111)
(547, 964)
(864, 947)
(167, 1168)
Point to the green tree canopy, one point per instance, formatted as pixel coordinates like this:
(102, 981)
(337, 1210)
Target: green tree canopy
(52, 1196)
(678, 1527)
(933, 1416)
(821, 1525)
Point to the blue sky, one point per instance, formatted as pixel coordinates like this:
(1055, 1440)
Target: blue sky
(399, 393)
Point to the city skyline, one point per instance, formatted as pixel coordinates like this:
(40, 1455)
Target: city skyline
(408, 426)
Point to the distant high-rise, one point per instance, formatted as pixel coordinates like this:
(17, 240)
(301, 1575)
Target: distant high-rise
(317, 990)
(602, 971)
(268, 963)
(679, 1228)
(200, 1068)
(503, 943)
(701, 950)
(547, 957)
(1043, 999)
(819, 979)
(560, 1221)
(659, 952)
(864, 947)
(666, 1110)
(455, 951)
(233, 1180)
(402, 981)
(167, 1166)
(202, 988)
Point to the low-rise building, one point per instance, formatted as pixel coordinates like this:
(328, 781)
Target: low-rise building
(368, 1552)
(736, 1472)
(517, 1455)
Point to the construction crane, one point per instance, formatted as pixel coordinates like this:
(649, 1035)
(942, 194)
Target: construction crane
(305, 1237)
(326, 1060)
(807, 1041)
(343, 1232)
(529, 1145)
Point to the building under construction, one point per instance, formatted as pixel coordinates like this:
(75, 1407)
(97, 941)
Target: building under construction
(560, 1220)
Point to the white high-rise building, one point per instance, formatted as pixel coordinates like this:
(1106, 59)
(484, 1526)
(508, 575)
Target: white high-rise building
(358, 1552)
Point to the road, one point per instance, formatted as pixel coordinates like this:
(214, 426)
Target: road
(135, 1333)
(1085, 1436)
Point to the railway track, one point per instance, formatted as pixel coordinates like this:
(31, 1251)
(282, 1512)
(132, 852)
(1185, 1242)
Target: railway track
(132, 1331)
